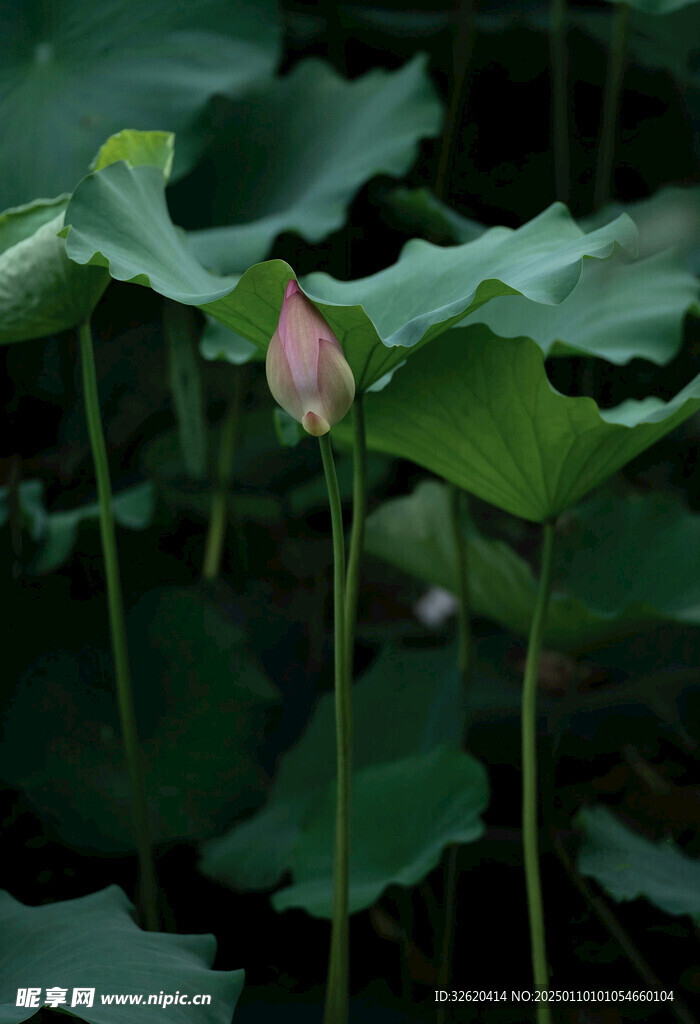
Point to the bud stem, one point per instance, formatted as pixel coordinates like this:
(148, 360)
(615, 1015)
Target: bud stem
(125, 698)
(357, 536)
(336, 1006)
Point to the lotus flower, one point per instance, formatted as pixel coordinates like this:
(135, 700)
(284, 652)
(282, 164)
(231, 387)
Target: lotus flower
(307, 371)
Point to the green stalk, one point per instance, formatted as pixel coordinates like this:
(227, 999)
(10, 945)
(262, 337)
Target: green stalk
(336, 1007)
(560, 126)
(224, 466)
(450, 873)
(529, 754)
(357, 536)
(463, 603)
(611, 105)
(461, 56)
(148, 892)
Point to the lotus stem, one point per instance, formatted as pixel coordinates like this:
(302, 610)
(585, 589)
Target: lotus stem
(148, 893)
(337, 991)
(357, 536)
(611, 105)
(218, 516)
(560, 113)
(529, 768)
(464, 642)
(462, 51)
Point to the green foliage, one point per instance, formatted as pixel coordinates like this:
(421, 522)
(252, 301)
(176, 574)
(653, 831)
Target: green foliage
(479, 411)
(218, 342)
(55, 533)
(629, 866)
(202, 705)
(41, 290)
(671, 217)
(621, 564)
(407, 706)
(94, 941)
(377, 319)
(76, 72)
(403, 816)
(318, 139)
(620, 309)
(186, 386)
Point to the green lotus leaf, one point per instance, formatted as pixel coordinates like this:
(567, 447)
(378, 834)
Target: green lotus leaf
(620, 309)
(628, 865)
(93, 941)
(219, 342)
(378, 318)
(138, 148)
(403, 816)
(480, 412)
(56, 532)
(318, 139)
(41, 291)
(73, 72)
(202, 706)
(621, 564)
(407, 704)
(671, 217)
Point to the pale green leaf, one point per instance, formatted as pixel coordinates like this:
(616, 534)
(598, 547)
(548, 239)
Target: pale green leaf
(93, 942)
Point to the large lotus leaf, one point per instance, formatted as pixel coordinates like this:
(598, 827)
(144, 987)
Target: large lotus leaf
(202, 707)
(671, 217)
(93, 942)
(406, 705)
(619, 310)
(56, 532)
(119, 219)
(629, 866)
(403, 816)
(41, 290)
(621, 564)
(74, 72)
(479, 411)
(318, 139)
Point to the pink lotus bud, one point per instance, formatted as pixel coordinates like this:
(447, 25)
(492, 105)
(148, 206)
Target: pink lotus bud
(307, 371)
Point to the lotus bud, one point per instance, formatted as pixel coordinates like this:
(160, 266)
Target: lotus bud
(307, 371)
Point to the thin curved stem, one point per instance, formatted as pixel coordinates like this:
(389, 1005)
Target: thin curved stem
(457, 498)
(560, 114)
(464, 645)
(336, 1007)
(611, 105)
(125, 698)
(357, 536)
(218, 516)
(529, 755)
